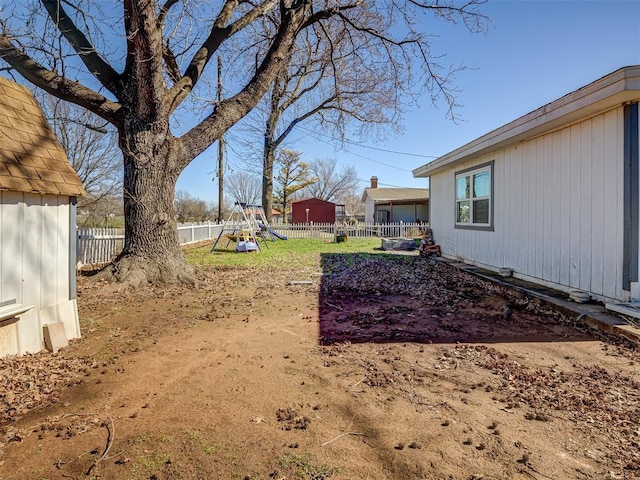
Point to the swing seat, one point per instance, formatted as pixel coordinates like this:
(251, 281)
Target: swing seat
(246, 246)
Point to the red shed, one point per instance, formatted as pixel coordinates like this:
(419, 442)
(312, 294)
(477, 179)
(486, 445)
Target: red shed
(313, 210)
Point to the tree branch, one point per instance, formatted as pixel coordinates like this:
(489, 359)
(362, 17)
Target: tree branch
(325, 105)
(218, 34)
(229, 111)
(164, 10)
(145, 50)
(56, 85)
(330, 13)
(85, 50)
(170, 61)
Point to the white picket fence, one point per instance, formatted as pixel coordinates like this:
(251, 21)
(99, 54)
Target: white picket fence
(360, 230)
(196, 232)
(97, 246)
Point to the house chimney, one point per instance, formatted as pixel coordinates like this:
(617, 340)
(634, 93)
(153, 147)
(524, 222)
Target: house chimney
(374, 182)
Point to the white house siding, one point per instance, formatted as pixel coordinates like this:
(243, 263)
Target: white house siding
(369, 207)
(558, 209)
(34, 268)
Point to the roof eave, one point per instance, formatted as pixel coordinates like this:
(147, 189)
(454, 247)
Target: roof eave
(617, 88)
(400, 200)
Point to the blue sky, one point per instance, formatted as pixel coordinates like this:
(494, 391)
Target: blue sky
(534, 52)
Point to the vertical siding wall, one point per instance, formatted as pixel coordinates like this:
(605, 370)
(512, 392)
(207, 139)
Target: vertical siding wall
(368, 211)
(34, 267)
(558, 212)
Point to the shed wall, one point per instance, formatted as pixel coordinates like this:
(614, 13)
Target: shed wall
(558, 209)
(319, 211)
(35, 268)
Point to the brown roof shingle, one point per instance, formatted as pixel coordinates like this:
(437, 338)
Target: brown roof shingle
(396, 194)
(31, 158)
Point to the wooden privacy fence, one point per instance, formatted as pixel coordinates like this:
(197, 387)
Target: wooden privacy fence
(101, 245)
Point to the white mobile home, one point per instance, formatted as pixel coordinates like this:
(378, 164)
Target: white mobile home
(553, 195)
(38, 189)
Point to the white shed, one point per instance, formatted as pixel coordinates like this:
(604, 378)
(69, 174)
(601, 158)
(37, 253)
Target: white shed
(553, 195)
(38, 191)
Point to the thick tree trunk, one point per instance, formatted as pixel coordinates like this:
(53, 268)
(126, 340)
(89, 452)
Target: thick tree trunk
(151, 251)
(153, 159)
(267, 181)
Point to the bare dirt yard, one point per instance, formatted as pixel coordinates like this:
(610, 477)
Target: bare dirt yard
(384, 367)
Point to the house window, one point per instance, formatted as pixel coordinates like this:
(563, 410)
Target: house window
(473, 197)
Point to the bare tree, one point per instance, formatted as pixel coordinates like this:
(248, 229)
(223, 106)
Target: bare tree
(244, 187)
(332, 183)
(191, 209)
(293, 176)
(91, 146)
(328, 85)
(136, 63)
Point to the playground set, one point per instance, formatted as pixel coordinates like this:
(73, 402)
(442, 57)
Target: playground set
(246, 226)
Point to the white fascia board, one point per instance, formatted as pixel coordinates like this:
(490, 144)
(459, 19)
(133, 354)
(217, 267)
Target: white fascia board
(388, 200)
(615, 89)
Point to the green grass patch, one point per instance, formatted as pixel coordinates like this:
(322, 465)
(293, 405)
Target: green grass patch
(285, 254)
(304, 467)
(154, 461)
(211, 447)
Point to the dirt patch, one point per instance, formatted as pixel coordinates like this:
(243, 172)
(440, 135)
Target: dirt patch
(386, 367)
(417, 300)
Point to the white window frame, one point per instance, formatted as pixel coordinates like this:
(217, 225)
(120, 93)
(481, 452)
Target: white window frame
(470, 173)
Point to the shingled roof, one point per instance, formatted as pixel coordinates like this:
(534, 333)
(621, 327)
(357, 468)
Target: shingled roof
(31, 158)
(384, 195)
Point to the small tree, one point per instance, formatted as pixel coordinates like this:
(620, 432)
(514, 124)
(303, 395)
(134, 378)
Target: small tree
(293, 176)
(244, 187)
(332, 183)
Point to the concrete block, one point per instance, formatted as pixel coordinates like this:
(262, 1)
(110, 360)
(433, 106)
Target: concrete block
(398, 244)
(387, 244)
(505, 272)
(8, 339)
(55, 337)
(405, 244)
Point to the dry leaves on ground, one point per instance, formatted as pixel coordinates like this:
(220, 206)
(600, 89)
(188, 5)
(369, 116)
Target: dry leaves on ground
(35, 379)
